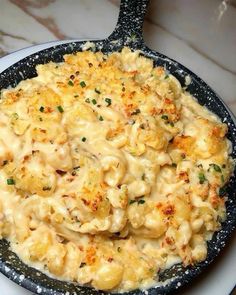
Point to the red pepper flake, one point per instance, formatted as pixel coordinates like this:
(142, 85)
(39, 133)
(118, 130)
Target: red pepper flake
(169, 210)
(110, 259)
(169, 241)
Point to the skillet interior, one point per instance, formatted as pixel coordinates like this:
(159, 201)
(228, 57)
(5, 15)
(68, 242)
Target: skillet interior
(128, 32)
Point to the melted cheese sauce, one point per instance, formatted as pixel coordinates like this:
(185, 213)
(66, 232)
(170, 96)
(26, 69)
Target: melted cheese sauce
(110, 171)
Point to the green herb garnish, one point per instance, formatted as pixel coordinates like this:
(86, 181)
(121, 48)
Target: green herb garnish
(137, 111)
(84, 139)
(15, 116)
(165, 117)
(87, 100)
(166, 76)
(100, 118)
(94, 101)
(132, 201)
(82, 264)
(222, 191)
(119, 249)
(97, 91)
(140, 202)
(10, 181)
(82, 84)
(222, 178)
(47, 188)
(108, 101)
(41, 109)
(201, 177)
(60, 109)
(174, 165)
(216, 167)
(71, 83)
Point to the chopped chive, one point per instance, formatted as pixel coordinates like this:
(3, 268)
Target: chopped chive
(83, 139)
(73, 173)
(216, 167)
(94, 101)
(41, 109)
(70, 83)
(140, 202)
(15, 116)
(171, 124)
(164, 117)
(132, 201)
(143, 176)
(137, 111)
(87, 100)
(101, 118)
(201, 177)
(166, 76)
(46, 188)
(119, 249)
(222, 191)
(131, 122)
(10, 181)
(82, 84)
(76, 167)
(60, 172)
(108, 101)
(40, 119)
(174, 165)
(82, 264)
(97, 91)
(222, 178)
(60, 109)
(76, 95)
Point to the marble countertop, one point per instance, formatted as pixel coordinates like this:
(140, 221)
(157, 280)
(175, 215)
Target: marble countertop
(198, 33)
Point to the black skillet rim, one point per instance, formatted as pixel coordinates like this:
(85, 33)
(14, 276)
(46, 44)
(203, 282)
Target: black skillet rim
(205, 96)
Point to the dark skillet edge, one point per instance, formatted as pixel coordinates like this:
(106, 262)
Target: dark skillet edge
(17, 271)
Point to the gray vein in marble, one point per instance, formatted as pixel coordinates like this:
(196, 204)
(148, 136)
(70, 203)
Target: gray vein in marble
(16, 37)
(47, 22)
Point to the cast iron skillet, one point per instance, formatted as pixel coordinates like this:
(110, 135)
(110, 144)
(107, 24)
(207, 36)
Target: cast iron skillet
(127, 32)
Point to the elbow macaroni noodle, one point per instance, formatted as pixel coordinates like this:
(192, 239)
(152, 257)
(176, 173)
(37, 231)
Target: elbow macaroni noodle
(110, 171)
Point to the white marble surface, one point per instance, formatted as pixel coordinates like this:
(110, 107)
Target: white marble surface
(201, 34)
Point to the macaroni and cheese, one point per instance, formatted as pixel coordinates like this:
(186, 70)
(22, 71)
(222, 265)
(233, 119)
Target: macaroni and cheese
(110, 171)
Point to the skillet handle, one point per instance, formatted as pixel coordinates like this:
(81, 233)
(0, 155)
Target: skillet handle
(129, 28)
